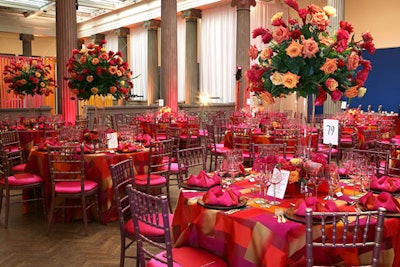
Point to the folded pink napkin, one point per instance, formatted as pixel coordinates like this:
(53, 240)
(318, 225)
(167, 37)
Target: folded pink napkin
(315, 205)
(203, 180)
(384, 199)
(51, 141)
(343, 171)
(222, 197)
(386, 183)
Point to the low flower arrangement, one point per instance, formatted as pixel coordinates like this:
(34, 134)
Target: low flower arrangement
(165, 111)
(29, 77)
(301, 57)
(94, 71)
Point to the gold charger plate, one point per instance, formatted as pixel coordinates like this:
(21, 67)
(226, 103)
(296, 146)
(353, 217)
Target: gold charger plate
(291, 215)
(242, 204)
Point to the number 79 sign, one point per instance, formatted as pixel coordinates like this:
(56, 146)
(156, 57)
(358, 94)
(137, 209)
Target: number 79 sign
(331, 131)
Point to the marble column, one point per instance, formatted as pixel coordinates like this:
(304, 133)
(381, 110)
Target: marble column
(26, 44)
(329, 106)
(169, 61)
(191, 65)
(243, 35)
(97, 38)
(153, 82)
(122, 34)
(66, 41)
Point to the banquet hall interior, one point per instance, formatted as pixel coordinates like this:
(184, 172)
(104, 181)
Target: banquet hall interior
(205, 103)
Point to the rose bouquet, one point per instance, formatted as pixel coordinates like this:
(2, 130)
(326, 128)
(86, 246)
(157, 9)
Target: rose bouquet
(94, 71)
(29, 77)
(300, 56)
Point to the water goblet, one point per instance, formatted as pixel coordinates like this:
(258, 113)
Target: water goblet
(276, 178)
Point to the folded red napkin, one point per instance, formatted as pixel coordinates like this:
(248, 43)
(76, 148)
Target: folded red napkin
(384, 199)
(315, 205)
(87, 148)
(51, 141)
(203, 180)
(127, 147)
(221, 197)
(386, 183)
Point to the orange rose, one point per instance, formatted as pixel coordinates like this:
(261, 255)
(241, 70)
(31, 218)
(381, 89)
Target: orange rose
(113, 89)
(253, 52)
(331, 84)
(267, 97)
(266, 53)
(290, 80)
(330, 66)
(351, 92)
(294, 49)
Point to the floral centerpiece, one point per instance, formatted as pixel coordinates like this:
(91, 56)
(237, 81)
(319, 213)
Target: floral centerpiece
(165, 111)
(301, 57)
(28, 77)
(94, 71)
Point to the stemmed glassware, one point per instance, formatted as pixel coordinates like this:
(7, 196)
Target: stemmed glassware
(333, 179)
(276, 178)
(317, 177)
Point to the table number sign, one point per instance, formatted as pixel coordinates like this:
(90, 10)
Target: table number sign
(331, 131)
(112, 140)
(280, 187)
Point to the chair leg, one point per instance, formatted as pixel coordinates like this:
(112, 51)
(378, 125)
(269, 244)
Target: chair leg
(84, 215)
(1, 198)
(7, 207)
(52, 205)
(43, 201)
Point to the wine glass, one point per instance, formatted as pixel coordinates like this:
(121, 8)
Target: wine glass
(275, 179)
(333, 179)
(317, 177)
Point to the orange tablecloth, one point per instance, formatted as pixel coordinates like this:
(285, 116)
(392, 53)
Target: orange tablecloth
(253, 237)
(28, 138)
(256, 139)
(96, 169)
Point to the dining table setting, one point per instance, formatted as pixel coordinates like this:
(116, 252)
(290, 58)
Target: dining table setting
(99, 152)
(258, 218)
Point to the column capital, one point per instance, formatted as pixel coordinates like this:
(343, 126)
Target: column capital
(122, 32)
(97, 38)
(152, 24)
(26, 37)
(243, 4)
(191, 14)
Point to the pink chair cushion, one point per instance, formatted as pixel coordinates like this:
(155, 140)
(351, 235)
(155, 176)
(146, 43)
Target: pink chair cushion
(202, 132)
(19, 168)
(146, 229)
(188, 256)
(141, 179)
(20, 179)
(74, 187)
(174, 168)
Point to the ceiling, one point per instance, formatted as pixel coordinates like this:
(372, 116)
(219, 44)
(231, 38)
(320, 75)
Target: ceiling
(87, 9)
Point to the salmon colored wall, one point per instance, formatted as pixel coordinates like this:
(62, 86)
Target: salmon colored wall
(378, 17)
(41, 46)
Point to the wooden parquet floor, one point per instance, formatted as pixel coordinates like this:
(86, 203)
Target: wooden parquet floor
(25, 243)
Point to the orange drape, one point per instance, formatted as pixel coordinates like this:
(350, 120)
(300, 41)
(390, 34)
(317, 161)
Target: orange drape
(9, 100)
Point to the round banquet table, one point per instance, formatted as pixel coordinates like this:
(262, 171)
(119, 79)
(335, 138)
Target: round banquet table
(96, 169)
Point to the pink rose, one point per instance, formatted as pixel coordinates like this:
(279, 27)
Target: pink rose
(310, 47)
(280, 34)
(331, 84)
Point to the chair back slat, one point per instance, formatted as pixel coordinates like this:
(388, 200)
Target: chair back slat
(344, 230)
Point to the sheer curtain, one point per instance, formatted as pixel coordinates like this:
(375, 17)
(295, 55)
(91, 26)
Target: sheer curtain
(112, 41)
(218, 53)
(138, 60)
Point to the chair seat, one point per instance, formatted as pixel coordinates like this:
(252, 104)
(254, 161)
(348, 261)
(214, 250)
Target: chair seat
(74, 187)
(189, 257)
(202, 132)
(141, 179)
(146, 229)
(19, 168)
(20, 179)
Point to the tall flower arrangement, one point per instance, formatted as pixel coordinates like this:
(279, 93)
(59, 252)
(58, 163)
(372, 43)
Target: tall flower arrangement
(94, 71)
(28, 77)
(300, 56)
